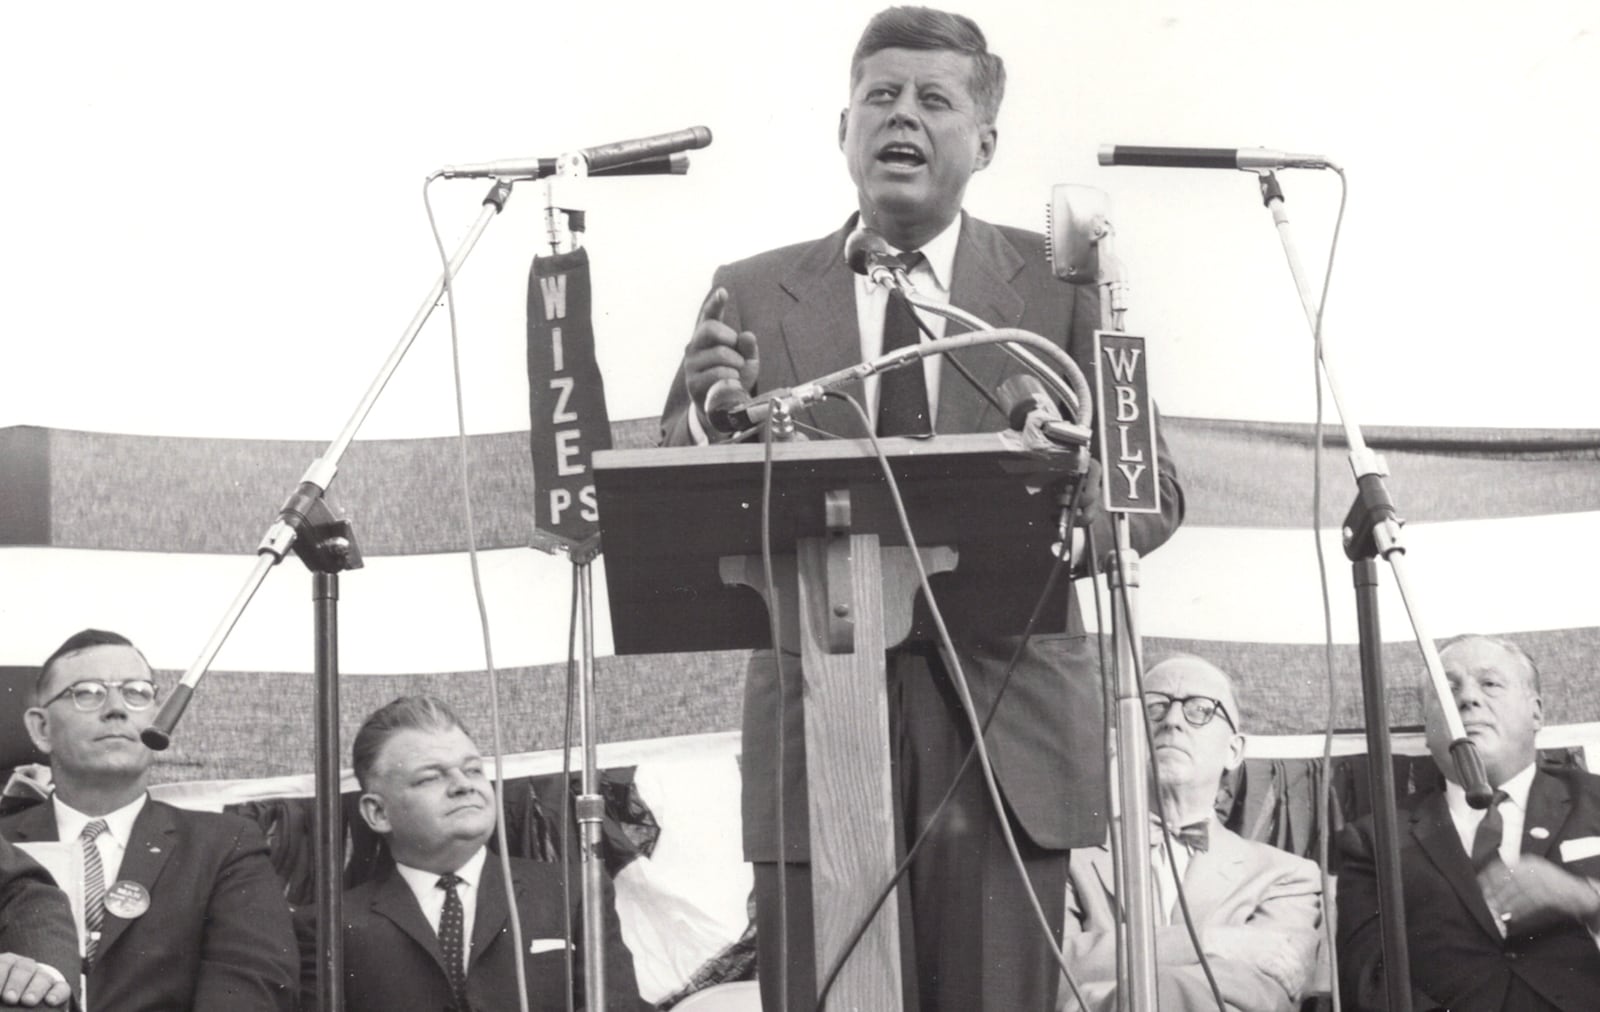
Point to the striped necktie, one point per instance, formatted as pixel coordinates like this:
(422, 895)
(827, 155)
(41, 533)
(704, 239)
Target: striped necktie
(451, 940)
(94, 889)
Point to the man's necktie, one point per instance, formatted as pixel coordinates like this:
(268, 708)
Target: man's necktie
(94, 889)
(1196, 835)
(451, 941)
(1486, 842)
(902, 392)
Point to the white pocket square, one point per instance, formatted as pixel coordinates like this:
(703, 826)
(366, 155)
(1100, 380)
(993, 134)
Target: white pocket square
(1577, 850)
(546, 945)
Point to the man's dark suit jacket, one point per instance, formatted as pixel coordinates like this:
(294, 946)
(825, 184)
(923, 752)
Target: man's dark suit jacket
(217, 934)
(1458, 959)
(1046, 740)
(392, 957)
(35, 917)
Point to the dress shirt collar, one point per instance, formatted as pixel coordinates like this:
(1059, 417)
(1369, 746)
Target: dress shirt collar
(1516, 789)
(119, 824)
(425, 883)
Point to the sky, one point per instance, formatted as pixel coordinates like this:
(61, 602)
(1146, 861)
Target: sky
(215, 222)
(214, 225)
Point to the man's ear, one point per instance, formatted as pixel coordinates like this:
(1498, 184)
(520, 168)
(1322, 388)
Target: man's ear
(373, 811)
(844, 124)
(988, 138)
(1235, 752)
(38, 724)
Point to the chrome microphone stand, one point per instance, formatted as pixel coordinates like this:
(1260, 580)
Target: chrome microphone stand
(1372, 529)
(1128, 748)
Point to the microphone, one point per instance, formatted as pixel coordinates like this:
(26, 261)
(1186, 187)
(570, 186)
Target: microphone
(1248, 159)
(867, 252)
(1075, 223)
(1029, 408)
(597, 160)
(727, 407)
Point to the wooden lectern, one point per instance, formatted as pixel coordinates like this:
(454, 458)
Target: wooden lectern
(681, 529)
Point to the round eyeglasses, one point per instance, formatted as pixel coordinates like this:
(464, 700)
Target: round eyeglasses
(1197, 710)
(136, 693)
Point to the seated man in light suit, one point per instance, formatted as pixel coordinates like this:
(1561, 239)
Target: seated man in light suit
(1255, 908)
(178, 909)
(1502, 907)
(434, 930)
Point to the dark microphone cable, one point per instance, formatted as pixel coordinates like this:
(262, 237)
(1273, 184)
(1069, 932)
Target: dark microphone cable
(963, 371)
(976, 751)
(774, 627)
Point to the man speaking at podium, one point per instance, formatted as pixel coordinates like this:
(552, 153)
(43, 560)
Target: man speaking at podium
(924, 95)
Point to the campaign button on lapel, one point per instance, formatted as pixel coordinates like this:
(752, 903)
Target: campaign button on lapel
(127, 899)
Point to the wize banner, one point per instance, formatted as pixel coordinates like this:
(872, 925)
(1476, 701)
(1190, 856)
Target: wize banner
(567, 401)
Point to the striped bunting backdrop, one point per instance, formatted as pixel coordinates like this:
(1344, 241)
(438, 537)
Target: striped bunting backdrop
(152, 536)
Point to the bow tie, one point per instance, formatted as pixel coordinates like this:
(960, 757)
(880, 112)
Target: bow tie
(1196, 835)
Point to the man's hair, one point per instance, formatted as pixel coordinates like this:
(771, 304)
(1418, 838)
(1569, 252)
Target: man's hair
(408, 713)
(73, 644)
(1233, 705)
(1530, 670)
(926, 28)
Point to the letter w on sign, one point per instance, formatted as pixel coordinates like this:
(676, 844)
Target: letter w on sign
(566, 400)
(1127, 424)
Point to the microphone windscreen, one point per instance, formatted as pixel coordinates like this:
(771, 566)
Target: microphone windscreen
(864, 244)
(1021, 395)
(723, 402)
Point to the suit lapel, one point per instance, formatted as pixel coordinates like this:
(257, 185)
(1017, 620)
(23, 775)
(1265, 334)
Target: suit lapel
(1435, 833)
(1212, 874)
(492, 913)
(985, 265)
(820, 334)
(1549, 806)
(155, 833)
(394, 901)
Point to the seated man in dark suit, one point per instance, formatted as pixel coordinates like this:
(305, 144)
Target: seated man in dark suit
(1502, 906)
(38, 942)
(177, 909)
(434, 930)
(1255, 908)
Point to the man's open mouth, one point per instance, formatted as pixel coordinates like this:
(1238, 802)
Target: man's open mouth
(908, 155)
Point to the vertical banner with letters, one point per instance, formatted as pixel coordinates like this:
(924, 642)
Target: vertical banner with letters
(567, 401)
(1127, 424)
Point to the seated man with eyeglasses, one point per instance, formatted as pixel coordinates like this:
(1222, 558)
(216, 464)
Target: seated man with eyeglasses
(1254, 908)
(175, 909)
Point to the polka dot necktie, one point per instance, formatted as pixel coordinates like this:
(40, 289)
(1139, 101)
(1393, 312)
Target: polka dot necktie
(451, 942)
(902, 392)
(94, 889)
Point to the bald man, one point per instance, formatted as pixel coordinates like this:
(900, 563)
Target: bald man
(1502, 906)
(1255, 908)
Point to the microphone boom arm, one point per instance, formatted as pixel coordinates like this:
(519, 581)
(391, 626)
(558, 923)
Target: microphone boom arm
(1074, 387)
(1073, 392)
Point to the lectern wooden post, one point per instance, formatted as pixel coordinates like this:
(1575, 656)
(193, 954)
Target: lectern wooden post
(682, 535)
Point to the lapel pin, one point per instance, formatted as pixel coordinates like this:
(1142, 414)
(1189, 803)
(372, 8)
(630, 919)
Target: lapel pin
(1539, 833)
(127, 899)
